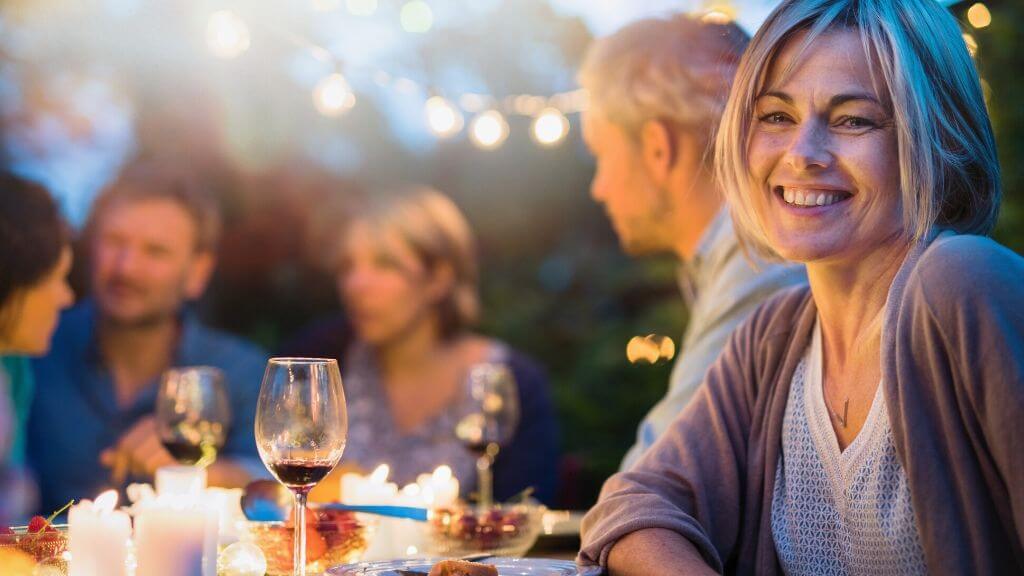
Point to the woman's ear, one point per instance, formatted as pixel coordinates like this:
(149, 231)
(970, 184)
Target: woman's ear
(441, 281)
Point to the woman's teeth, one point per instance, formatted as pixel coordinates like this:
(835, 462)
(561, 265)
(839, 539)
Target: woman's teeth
(798, 197)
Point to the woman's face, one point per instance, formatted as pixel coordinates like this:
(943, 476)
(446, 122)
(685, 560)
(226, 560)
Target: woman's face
(37, 310)
(824, 155)
(385, 287)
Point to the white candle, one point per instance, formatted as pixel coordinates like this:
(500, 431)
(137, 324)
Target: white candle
(98, 537)
(176, 539)
(180, 482)
(443, 488)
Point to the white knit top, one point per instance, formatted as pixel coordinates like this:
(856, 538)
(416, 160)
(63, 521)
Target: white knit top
(840, 512)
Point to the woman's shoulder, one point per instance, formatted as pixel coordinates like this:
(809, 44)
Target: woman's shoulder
(957, 268)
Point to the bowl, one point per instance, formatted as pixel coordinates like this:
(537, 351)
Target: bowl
(332, 538)
(500, 530)
(41, 548)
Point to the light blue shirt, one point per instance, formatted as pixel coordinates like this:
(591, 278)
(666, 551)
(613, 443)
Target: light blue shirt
(721, 289)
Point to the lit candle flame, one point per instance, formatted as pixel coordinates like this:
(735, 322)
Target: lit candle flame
(380, 474)
(106, 502)
(443, 473)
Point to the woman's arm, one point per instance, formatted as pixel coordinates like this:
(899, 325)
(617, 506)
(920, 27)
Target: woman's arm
(693, 480)
(656, 552)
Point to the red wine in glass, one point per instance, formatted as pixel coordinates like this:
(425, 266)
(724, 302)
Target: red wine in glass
(299, 474)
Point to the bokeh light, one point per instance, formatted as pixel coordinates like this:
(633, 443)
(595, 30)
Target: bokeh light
(489, 130)
(972, 44)
(718, 14)
(416, 17)
(227, 35)
(650, 349)
(979, 16)
(361, 7)
(443, 118)
(333, 96)
(550, 127)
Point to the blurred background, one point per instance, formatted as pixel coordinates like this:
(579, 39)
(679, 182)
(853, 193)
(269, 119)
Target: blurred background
(291, 110)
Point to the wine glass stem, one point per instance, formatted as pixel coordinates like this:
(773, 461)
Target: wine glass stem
(484, 476)
(299, 556)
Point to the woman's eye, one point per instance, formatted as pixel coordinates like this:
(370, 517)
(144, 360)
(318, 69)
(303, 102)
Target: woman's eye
(774, 118)
(855, 122)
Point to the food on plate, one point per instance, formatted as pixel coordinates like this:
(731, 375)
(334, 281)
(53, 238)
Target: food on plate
(332, 537)
(462, 568)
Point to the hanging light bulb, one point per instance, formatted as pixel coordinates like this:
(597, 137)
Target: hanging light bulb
(416, 17)
(550, 127)
(333, 96)
(489, 130)
(443, 118)
(227, 36)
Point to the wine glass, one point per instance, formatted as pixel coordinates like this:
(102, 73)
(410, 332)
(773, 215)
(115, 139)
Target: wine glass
(489, 416)
(193, 414)
(301, 430)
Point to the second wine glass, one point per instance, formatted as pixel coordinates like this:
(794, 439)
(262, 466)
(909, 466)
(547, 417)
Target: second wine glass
(489, 417)
(301, 430)
(193, 413)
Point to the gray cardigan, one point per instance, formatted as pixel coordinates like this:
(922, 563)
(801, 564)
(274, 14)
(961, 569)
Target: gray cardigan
(953, 366)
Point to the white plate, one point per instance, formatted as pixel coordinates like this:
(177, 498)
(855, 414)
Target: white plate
(505, 566)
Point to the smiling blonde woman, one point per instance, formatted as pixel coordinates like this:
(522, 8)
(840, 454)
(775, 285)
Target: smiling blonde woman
(865, 425)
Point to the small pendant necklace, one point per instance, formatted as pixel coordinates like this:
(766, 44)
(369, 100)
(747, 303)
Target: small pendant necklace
(843, 420)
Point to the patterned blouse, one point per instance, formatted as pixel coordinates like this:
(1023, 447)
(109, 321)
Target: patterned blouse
(840, 512)
(374, 438)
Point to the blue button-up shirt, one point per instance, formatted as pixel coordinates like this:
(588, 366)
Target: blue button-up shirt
(75, 415)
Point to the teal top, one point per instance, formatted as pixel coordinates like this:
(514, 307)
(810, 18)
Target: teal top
(17, 372)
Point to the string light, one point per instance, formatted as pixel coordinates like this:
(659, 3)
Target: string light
(979, 16)
(416, 17)
(489, 130)
(333, 96)
(227, 36)
(443, 118)
(361, 7)
(550, 127)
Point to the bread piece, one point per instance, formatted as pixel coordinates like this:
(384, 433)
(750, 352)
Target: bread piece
(462, 568)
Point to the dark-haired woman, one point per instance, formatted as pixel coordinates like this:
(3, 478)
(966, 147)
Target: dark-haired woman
(35, 257)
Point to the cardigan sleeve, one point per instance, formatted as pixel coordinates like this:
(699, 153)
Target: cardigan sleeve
(961, 396)
(691, 480)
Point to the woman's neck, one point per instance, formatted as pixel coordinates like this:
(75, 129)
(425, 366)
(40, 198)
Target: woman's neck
(851, 298)
(417, 348)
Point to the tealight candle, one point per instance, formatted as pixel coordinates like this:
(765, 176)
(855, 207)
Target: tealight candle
(98, 537)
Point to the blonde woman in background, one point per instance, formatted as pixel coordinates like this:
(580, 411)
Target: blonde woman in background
(870, 423)
(408, 278)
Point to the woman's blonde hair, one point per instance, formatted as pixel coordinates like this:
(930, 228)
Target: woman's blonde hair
(949, 171)
(434, 228)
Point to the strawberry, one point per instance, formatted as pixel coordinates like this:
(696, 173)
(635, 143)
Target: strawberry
(37, 524)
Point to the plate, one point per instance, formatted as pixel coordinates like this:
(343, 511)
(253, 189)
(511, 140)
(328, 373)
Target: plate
(505, 566)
